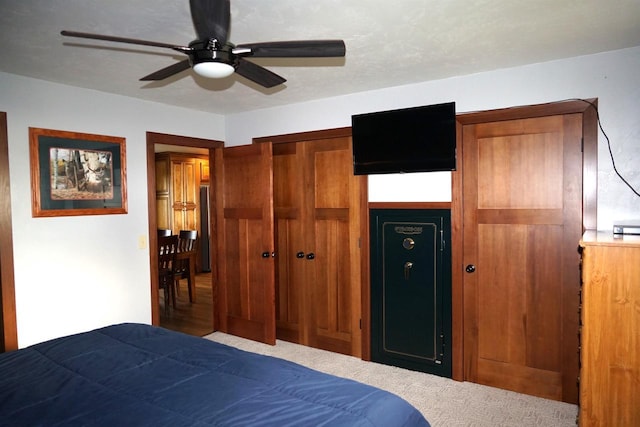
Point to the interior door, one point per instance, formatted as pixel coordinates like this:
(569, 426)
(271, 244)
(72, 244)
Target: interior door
(522, 192)
(288, 201)
(318, 209)
(333, 199)
(246, 290)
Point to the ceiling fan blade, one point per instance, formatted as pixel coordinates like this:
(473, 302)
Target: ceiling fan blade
(168, 71)
(211, 19)
(122, 40)
(258, 74)
(294, 49)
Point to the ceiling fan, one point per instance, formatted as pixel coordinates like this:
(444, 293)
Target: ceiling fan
(212, 55)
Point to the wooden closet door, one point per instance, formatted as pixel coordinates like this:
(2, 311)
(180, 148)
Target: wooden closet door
(332, 218)
(291, 241)
(245, 302)
(318, 205)
(522, 192)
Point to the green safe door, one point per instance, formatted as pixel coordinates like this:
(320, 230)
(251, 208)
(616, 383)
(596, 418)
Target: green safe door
(411, 289)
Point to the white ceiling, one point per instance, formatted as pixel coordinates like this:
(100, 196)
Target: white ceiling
(389, 43)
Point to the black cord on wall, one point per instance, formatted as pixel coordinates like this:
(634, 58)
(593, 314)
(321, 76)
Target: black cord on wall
(613, 162)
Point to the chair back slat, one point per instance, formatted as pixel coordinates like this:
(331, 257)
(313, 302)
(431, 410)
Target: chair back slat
(187, 240)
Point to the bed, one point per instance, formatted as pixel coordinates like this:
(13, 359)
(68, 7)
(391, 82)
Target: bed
(139, 375)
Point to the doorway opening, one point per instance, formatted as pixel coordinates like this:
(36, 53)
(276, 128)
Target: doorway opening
(196, 316)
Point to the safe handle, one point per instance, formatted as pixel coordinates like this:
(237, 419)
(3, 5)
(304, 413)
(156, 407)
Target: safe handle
(407, 270)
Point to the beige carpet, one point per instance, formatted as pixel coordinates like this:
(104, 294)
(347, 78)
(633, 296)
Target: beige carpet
(442, 401)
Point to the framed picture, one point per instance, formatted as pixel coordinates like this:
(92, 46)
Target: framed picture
(76, 173)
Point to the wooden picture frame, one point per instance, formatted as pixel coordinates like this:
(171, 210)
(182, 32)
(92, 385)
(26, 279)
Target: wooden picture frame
(89, 177)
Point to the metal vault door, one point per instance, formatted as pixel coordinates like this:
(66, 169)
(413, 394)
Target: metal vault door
(411, 289)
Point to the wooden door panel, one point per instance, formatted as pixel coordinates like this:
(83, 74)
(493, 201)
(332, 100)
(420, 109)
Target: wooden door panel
(331, 293)
(246, 301)
(518, 309)
(522, 219)
(190, 182)
(516, 162)
(318, 203)
(177, 196)
(333, 224)
(290, 241)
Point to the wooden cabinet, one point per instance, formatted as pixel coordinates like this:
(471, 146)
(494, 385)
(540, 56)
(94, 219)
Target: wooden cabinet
(178, 179)
(610, 331)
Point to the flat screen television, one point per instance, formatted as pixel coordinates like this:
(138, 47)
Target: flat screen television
(418, 139)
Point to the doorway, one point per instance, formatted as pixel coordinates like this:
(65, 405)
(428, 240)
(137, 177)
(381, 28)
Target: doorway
(193, 318)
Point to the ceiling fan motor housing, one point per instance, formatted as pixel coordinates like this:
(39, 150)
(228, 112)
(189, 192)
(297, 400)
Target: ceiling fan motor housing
(211, 51)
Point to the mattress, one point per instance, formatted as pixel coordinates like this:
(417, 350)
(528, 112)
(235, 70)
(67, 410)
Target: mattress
(140, 375)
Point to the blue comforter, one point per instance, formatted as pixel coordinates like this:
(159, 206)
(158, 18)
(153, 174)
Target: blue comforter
(140, 375)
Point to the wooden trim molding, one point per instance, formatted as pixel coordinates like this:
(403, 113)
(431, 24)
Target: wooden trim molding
(305, 136)
(409, 205)
(7, 280)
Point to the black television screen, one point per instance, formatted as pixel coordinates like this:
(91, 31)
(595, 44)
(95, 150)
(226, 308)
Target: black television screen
(418, 139)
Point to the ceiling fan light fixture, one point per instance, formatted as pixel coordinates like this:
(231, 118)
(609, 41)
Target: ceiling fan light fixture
(213, 69)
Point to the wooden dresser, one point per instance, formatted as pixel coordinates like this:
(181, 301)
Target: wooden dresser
(610, 331)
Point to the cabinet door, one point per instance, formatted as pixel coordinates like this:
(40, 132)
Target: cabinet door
(184, 195)
(164, 210)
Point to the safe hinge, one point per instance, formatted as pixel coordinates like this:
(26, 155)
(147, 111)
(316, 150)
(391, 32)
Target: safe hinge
(442, 349)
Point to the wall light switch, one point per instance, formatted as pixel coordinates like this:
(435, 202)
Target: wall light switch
(142, 242)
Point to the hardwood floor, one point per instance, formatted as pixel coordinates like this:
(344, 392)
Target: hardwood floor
(193, 319)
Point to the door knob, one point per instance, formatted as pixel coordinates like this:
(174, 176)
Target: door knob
(300, 255)
(267, 254)
(470, 268)
(311, 255)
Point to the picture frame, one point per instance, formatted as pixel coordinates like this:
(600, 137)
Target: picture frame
(76, 173)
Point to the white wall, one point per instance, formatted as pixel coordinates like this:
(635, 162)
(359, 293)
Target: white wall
(612, 77)
(76, 273)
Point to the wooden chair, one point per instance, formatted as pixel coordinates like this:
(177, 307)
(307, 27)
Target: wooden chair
(186, 245)
(163, 232)
(167, 250)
